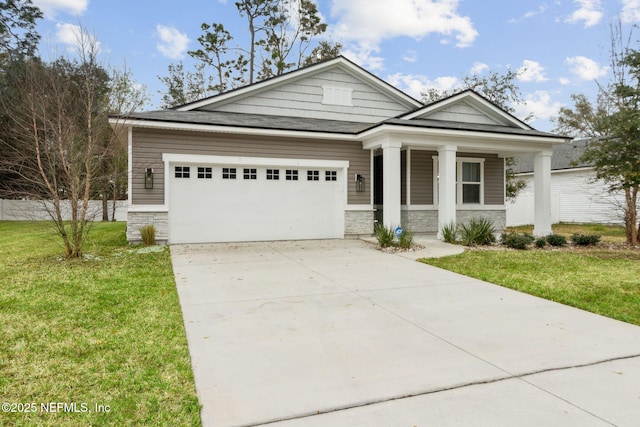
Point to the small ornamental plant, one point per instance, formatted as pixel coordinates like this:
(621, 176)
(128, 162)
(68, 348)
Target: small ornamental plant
(148, 234)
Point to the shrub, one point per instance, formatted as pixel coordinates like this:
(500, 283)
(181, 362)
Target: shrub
(450, 232)
(405, 240)
(384, 235)
(556, 240)
(478, 231)
(541, 242)
(585, 239)
(148, 234)
(517, 241)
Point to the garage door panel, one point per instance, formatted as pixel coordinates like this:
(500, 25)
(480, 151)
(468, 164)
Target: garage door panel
(218, 210)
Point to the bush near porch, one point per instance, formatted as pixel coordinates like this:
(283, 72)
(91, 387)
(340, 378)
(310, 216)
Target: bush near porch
(104, 330)
(604, 279)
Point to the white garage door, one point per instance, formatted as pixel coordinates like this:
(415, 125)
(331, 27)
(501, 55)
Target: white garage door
(245, 201)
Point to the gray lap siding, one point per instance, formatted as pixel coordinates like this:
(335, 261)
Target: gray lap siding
(149, 145)
(422, 181)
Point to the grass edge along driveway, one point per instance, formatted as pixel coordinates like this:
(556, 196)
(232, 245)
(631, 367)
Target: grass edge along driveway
(92, 341)
(601, 280)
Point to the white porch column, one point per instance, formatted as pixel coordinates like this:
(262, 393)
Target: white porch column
(446, 186)
(391, 183)
(542, 193)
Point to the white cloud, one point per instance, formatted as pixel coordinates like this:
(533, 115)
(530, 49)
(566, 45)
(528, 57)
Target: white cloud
(585, 68)
(590, 12)
(173, 43)
(531, 71)
(363, 24)
(530, 14)
(630, 11)
(415, 85)
(76, 39)
(564, 81)
(540, 104)
(411, 56)
(479, 68)
(51, 7)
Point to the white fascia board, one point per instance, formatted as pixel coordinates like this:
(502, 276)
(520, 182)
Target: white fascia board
(148, 208)
(475, 100)
(346, 65)
(259, 86)
(359, 208)
(463, 138)
(240, 130)
(253, 161)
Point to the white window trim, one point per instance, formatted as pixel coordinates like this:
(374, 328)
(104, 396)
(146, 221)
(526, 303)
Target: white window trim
(459, 183)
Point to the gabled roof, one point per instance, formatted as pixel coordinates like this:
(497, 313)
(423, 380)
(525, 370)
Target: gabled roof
(474, 100)
(249, 121)
(339, 62)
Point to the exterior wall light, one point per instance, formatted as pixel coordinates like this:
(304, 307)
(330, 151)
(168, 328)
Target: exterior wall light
(148, 179)
(359, 183)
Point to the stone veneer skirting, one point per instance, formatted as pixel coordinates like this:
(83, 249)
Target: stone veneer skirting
(426, 221)
(358, 223)
(355, 223)
(137, 220)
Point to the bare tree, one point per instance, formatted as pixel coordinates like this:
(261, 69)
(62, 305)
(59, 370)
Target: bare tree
(60, 137)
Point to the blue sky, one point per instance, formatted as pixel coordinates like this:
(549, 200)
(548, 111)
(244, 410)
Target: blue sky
(413, 44)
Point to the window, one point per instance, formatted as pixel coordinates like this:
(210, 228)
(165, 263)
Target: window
(205, 173)
(182, 171)
(471, 182)
(313, 175)
(228, 173)
(292, 175)
(331, 176)
(273, 174)
(250, 174)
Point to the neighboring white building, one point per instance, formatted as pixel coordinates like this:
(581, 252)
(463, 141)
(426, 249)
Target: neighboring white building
(576, 196)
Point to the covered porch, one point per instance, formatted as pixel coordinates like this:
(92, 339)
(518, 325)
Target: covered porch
(425, 178)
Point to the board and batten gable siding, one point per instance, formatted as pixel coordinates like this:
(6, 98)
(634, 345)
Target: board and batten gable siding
(422, 181)
(304, 98)
(461, 112)
(149, 145)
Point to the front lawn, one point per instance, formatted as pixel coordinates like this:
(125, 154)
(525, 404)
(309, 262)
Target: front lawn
(96, 341)
(601, 280)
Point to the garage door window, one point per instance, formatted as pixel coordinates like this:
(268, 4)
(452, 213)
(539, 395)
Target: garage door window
(205, 173)
(292, 175)
(228, 173)
(182, 171)
(313, 175)
(250, 174)
(273, 174)
(331, 176)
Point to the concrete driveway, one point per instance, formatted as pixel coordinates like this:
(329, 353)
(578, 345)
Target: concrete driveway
(336, 333)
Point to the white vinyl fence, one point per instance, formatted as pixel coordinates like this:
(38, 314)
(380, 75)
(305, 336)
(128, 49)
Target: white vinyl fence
(36, 210)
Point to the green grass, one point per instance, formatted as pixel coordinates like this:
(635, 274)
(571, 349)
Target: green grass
(599, 280)
(609, 233)
(105, 330)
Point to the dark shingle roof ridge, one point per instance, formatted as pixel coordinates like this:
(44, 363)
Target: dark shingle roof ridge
(480, 127)
(257, 121)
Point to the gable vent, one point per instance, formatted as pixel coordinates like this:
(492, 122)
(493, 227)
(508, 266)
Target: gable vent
(337, 96)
